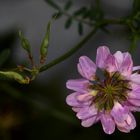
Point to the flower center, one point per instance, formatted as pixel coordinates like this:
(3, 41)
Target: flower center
(113, 88)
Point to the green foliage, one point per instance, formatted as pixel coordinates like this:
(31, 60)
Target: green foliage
(68, 23)
(53, 4)
(68, 5)
(80, 11)
(80, 28)
(136, 6)
(83, 15)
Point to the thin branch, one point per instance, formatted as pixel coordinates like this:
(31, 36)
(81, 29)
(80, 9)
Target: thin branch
(80, 44)
(70, 52)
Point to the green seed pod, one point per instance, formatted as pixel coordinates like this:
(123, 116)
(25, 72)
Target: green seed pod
(15, 76)
(25, 43)
(45, 44)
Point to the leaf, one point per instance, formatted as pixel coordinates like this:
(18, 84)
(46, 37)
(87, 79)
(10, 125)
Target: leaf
(4, 55)
(53, 4)
(68, 23)
(81, 11)
(80, 28)
(25, 43)
(45, 43)
(68, 5)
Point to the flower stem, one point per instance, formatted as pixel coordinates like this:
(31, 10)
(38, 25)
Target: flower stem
(80, 44)
(70, 52)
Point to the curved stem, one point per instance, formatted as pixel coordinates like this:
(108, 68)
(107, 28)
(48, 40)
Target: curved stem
(70, 52)
(80, 44)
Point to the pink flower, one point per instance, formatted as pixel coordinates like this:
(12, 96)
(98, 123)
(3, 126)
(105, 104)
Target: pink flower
(110, 100)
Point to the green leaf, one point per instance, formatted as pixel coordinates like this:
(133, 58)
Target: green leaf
(45, 43)
(68, 5)
(80, 28)
(25, 43)
(53, 4)
(80, 11)
(4, 55)
(68, 23)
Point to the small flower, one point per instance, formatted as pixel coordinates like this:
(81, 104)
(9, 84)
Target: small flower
(110, 99)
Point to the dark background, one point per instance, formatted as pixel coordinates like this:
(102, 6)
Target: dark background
(38, 110)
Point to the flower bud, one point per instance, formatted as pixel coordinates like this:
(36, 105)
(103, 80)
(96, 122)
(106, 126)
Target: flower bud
(45, 44)
(25, 43)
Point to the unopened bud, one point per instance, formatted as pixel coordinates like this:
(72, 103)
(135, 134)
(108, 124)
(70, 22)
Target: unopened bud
(45, 44)
(25, 43)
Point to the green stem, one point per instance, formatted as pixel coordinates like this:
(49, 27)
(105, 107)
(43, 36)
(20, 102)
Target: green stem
(70, 52)
(80, 44)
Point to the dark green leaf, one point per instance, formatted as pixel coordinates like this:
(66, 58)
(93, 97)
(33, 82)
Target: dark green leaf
(53, 4)
(4, 55)
(81, 11)
(68, 5)
(86, 14)
(80, 28)
(68, 23)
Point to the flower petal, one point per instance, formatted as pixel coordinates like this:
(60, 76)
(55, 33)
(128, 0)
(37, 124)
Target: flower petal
(89, 122)
(124, 63)
(87, 112)
(102, 54)
(84, 97)
(119, 112)
(135, 78)
(135, 102)
(128, 124)
(135, 93)
(80, 85)
(71, 100)
(136, 68)
(108, 123)
(76, 109)
(127, 65)
(119, 58)
(86, 67)
(110, 63)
